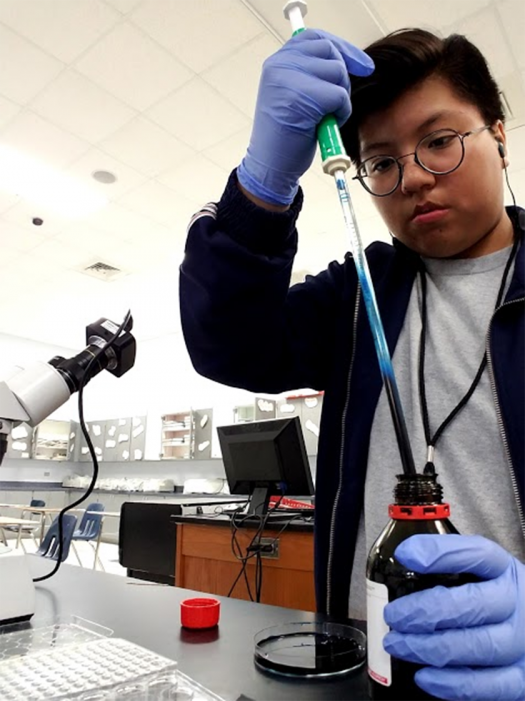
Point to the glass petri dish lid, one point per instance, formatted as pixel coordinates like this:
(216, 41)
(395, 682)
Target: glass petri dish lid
(313, 649)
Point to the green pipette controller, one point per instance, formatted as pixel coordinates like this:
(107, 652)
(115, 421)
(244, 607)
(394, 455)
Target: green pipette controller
(333, 152)
(335, 163)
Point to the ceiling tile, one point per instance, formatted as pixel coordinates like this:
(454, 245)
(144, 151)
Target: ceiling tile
(484, 30)
(229, 153)
(516, 149)
(123, 6)
(20, 303)
(95, 159)
(8, 256)
(8, 110)
(62, 28)
(122, 222)
(25, 69)
(351, 20)
(14, 236)
(7, 200)
(29, 267)
(245, 64)
(91, 242)
(516, 141)
(161, 204)
(428, 14)
(76, 104)
(23, 213)
(200, 33)
(512, 14)
(196, 176)
(43, 141)
(147, 147)
(128, 64)
(139, 258)
(513, 87)
(60, 253)
(197, 115)
(152, 234)
(86, 294)
(88, 238)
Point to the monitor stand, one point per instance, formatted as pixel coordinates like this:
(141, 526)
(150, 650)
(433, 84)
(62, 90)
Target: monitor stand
(259, 501)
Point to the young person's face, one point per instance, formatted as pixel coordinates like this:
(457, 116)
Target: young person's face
(474, 222)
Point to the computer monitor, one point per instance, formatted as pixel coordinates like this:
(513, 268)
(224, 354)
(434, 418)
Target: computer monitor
(265, 458)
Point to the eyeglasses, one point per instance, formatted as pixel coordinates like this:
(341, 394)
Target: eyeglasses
(439, 153)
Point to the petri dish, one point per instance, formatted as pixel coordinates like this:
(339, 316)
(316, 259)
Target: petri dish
(314, 649)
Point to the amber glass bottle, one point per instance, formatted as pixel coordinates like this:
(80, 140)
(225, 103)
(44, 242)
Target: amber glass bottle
(418, 508)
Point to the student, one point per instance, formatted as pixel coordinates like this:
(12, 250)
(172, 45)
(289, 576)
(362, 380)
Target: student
(426, 134)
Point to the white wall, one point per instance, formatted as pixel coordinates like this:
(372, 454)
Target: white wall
(161, 381)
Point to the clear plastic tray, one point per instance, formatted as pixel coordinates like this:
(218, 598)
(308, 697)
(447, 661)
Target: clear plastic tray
(78, 660)
(23, 639)
(315, 649)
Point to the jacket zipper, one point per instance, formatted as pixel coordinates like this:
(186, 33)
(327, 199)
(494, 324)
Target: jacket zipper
(341, 456)
(501, 425)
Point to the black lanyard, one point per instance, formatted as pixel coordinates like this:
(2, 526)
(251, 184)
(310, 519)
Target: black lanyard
(432, 440)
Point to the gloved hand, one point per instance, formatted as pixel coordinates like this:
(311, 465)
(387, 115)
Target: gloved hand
(300, 84)
(473, 635)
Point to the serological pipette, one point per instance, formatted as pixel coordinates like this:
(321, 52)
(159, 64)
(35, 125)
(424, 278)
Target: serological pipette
(335, 163)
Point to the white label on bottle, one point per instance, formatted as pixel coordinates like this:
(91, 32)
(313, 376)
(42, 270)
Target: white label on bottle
(379, 665)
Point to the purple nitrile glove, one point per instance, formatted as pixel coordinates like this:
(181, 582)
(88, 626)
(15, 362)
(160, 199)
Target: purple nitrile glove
(472, 637)
(301, 83)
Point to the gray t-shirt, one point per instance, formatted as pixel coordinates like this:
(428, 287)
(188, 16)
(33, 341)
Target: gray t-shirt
(469, 457)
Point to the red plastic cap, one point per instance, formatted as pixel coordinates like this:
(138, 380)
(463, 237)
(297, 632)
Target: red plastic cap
(199, 613)
(420, 512)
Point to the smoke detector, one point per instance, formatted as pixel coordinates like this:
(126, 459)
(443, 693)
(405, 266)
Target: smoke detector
(103, 271)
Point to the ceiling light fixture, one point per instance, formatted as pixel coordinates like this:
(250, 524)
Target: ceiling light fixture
(38, 183)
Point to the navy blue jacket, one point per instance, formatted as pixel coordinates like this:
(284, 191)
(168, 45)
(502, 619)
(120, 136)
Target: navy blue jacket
(244, 326)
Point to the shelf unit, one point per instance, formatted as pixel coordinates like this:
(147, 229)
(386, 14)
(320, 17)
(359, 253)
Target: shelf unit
(177, 435)
(51, 440)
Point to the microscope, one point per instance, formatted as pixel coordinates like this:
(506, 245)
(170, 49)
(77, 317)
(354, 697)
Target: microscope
(30, 396)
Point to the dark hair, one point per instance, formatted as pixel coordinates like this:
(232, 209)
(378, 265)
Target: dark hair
(406, 57)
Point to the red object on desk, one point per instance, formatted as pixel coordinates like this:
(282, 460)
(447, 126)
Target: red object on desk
(199, 613)
(286, 503)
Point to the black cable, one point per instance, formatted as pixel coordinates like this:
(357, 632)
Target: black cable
(254, 548)
(258, 577)
(83, 382)
(432, 440)
(239, 555)
(293, 517)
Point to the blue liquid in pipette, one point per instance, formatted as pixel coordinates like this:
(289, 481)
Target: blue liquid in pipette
(376, 325)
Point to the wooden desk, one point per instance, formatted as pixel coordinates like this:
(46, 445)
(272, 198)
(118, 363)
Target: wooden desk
(42, 511)
(205, 561)
(8, 521)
